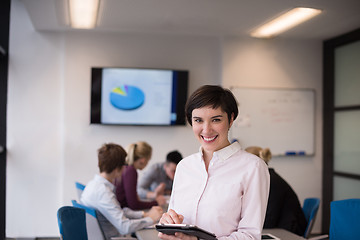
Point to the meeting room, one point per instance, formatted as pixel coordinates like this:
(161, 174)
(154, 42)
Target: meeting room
(162, 119)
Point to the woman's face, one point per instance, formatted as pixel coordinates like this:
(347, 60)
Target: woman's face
(211, 127)
(141, 163)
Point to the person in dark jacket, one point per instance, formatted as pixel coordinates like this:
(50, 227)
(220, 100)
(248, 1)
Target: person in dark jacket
(283, 209)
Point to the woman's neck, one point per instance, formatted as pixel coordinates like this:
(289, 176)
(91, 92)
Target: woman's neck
(207, 156)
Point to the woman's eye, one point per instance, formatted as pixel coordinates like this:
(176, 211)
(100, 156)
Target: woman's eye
(197, 120)
(216, 120)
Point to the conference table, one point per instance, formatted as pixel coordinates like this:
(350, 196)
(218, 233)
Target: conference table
(152, 234)
(282, 234)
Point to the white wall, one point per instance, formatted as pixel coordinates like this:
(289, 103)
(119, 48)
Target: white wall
(281, 63)
(50, 141)
(34, 143)
(198, 55)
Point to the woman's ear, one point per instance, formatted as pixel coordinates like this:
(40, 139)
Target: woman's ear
(231, 120)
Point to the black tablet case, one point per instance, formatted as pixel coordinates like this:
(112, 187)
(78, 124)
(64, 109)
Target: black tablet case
(171, 229)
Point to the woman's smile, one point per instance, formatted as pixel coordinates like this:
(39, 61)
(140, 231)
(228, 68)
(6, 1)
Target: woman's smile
(209, 139)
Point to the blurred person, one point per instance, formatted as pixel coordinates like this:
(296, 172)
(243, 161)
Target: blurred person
(158, 179)
(138, 156)
(99, 194)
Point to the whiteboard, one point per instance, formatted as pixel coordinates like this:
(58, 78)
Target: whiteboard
(280, 119)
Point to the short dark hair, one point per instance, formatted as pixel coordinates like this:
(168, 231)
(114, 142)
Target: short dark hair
(173, 157)
(111, 156)
(213, 96)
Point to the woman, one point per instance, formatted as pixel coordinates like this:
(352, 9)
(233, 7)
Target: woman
(138, 157)
(222, 188)
(99, 194)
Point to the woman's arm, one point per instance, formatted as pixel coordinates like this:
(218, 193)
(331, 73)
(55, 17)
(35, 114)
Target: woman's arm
(254, 203)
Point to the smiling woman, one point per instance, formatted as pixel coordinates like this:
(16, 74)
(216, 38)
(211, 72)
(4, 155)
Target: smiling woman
(211, 111)
(222, 188)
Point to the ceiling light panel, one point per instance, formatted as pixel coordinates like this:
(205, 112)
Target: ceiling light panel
(284, 22)
(83, 13)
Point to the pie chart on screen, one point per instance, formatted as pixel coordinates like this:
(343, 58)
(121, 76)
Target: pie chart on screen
(127, 97)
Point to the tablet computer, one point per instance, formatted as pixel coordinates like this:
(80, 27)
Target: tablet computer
(269, 236)
(171, 229)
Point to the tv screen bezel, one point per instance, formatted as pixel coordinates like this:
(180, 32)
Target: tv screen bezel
(179, 92)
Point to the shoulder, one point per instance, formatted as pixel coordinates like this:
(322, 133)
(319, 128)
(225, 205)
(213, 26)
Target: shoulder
(130, 170)
(189, 165)
(237, 157)
(129, 175)
(275, 175)
(277, 180)
(189, 160)
(245, 165)
(157, 166)
(96, 182)
(243, 157)
(94, 188)
(154, 169)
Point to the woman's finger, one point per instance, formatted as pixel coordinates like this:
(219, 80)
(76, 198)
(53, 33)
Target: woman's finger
(174, 216)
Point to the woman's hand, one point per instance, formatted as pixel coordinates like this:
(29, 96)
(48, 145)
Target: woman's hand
(171, 217)
(177, 236)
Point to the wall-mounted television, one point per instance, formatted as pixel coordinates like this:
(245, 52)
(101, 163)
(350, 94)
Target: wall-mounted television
(138, 96)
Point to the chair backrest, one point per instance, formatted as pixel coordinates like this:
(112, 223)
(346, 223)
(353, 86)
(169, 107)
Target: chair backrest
(344, 219)
(98, 227)
(72, 223)
(94, 230)
(79, 189)
(310, 209)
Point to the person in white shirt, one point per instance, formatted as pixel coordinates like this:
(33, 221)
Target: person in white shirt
(99, 194)
(222, 188)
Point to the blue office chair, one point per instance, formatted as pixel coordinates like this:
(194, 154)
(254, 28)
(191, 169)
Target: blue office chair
(98, 227)
(92, 224)
(310, 209)
(79, 189)
(344, 219)
(72, 223)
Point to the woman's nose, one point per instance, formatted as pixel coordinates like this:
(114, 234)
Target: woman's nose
(206, 127)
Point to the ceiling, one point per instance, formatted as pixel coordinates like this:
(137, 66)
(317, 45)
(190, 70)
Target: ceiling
(201, 17)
